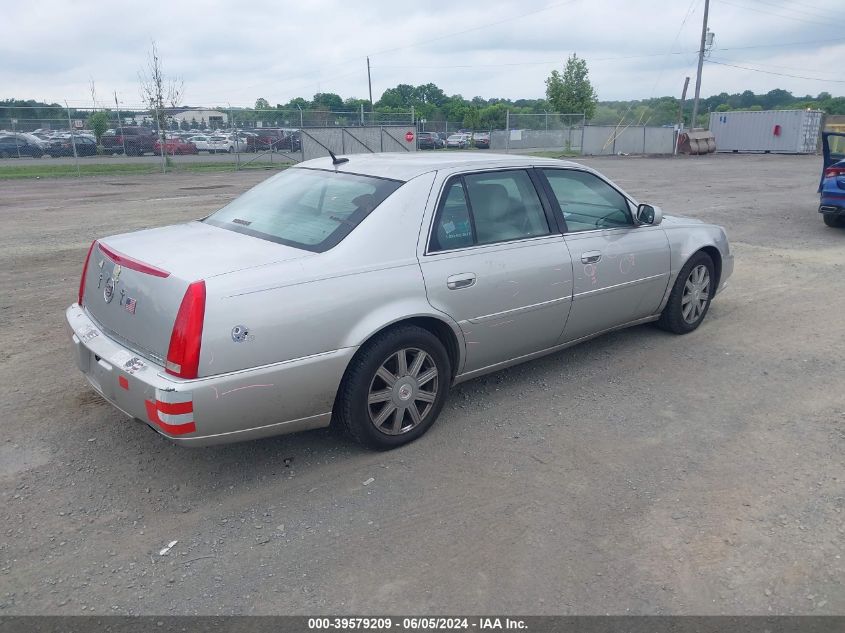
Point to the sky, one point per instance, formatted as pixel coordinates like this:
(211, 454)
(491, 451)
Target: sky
(228, 53)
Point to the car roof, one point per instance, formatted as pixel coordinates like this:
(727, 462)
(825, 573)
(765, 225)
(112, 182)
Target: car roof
(412, 164)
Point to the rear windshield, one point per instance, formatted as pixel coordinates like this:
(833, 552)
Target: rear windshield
(305, 208)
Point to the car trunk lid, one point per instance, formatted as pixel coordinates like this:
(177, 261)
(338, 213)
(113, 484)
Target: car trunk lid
(134, 283)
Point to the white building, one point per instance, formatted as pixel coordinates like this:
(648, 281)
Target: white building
(212, 118)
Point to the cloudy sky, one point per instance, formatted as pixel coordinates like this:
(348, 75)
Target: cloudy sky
(231, 52)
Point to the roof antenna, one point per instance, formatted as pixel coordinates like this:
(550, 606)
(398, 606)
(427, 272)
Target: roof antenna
(336, 160)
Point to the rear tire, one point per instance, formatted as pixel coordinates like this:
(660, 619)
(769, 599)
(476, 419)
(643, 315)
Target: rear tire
(394, 388)
(691, 296)
(833, 221)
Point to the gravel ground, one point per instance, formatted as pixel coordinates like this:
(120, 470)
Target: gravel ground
(638, 473)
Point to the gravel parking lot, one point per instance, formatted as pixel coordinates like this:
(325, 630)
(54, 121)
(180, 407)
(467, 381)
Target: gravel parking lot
(639, 473)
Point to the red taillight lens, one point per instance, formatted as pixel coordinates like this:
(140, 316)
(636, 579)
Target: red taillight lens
(183, 355)
(832, 172)
(85, 273)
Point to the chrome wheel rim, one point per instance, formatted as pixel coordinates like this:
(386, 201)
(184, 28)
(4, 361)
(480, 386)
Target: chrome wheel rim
(696, 294)
(403, 391)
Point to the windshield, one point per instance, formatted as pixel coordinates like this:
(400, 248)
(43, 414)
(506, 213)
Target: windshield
(305, 208)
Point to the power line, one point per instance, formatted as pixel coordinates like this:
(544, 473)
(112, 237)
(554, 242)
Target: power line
(604, 59)
(740, 48)
(779, 15)
(779, 67)
(800, 11)
(474, 28)
(769, 72)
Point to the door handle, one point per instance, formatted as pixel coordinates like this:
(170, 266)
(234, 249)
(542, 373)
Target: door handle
(463, 280)
(591, 257)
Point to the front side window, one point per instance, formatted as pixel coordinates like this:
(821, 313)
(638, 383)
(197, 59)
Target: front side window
(587, 202)
(305, 208)
(487, 208)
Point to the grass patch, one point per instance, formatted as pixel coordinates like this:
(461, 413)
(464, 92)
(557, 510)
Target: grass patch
(15, 172)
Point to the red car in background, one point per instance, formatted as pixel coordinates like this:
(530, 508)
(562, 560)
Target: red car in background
(176, 145)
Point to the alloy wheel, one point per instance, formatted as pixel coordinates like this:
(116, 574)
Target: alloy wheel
(696, 294)
(403, 391)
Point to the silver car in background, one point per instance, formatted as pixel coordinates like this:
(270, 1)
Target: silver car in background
(362, 289)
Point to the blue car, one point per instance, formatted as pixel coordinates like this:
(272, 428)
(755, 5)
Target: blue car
(832, 185)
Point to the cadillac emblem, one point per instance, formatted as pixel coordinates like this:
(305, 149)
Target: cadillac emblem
(108, 291)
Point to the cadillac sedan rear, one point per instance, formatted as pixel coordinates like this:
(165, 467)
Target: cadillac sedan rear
(190, 328)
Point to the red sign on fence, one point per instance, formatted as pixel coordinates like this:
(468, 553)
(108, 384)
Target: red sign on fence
(409, 136)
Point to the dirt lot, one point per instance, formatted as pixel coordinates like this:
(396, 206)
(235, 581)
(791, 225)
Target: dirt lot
(638, 473)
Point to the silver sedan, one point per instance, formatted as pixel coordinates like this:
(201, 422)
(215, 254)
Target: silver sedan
(360, 290)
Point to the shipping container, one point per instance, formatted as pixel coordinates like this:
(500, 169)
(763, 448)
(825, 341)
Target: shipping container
(776, 131)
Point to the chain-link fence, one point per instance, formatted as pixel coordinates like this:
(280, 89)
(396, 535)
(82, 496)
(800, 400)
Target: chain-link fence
(549, 131)
(187, 137)
(214, 138)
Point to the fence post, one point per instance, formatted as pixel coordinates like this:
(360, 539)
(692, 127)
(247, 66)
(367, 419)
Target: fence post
(507, 131)
(15, 135)
(643, 140)
(72, 142)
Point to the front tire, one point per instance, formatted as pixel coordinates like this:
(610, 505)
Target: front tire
(394, 388)
(691, 296)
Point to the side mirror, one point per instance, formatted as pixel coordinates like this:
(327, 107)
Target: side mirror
(649, 214)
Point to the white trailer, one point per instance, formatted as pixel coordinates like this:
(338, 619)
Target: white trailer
(775, 131)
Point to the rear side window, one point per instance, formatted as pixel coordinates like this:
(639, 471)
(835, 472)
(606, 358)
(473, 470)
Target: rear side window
(488, 208)
(305, 208)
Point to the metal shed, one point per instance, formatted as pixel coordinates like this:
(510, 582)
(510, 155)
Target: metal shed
(777, 131)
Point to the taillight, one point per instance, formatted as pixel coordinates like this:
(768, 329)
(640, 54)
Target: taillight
(183, 355)
(832, 172)
(85, 272)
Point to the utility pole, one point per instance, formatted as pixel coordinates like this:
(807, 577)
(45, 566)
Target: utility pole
(681, 115)
(370, 84)
(700, 64)
(119, 123)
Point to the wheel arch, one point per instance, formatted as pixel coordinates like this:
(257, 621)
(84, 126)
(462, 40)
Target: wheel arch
(449, 334)
(684, 245)
(716, 258)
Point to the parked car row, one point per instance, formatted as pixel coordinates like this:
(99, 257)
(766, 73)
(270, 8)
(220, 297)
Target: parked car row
(458, 140)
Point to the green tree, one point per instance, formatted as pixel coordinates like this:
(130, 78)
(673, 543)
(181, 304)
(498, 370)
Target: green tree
(572, 91)
(327, 101)
(99, 123)
(261, 103)
(471, 119)
(399, 98)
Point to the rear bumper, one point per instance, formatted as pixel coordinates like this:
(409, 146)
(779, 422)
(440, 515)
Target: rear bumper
(834, 207)
(286, 397)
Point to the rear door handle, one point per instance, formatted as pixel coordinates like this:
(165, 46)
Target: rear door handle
(463, 280)
(591, 257)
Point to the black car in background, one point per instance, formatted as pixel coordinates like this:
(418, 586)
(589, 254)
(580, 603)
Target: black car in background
(425, 140)
(14, 146)
(85, 146)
